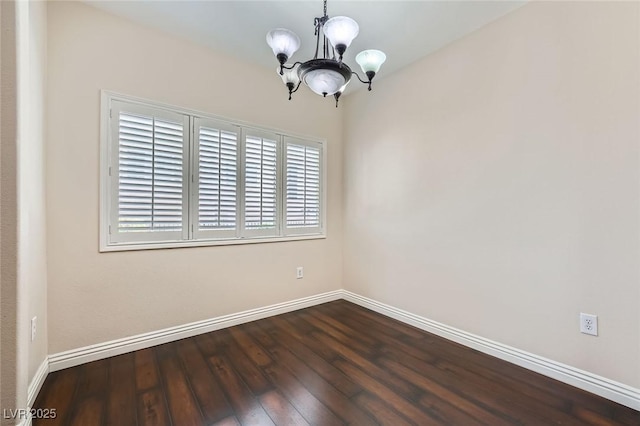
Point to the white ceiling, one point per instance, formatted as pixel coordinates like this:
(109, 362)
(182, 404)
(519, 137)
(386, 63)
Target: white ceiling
(405, 30)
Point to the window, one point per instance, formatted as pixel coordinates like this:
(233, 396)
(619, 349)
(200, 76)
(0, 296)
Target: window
(173, 177)
(303, 177)
(216, 182)
(260, 183)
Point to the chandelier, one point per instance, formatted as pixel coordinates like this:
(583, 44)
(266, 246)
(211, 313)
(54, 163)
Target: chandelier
(325, 74)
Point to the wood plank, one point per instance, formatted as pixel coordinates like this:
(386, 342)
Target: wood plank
(591, 418)
(247, 408)
(206, 345)
(354, 344)
(300, 328)
(146, 369)
(391, 343)
(121, 408)
(457, 368)
(280, 411)
(403, 387)
(315, 362)
(477, 412)
(374, 320)
(255, 330)
(488, 394)
(229, 421)
(88, 412)
(289, 327)
(183, 408)
(94, 378)
(152, 408)
(314, 411)
(211, 399)
(248, 370)
(383, 413)
(337, 323)
(401, 405)
(250, 347)
(336, 401)
(59, 393)
(625, 415)
(218, 342)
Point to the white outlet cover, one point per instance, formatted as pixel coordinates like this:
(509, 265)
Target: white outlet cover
(589, 324)
(299, 272)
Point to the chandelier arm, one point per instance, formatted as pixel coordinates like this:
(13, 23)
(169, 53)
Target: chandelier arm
(292, 66)
(361, 80)
(324, 46)
(297, 87)
(317, 22)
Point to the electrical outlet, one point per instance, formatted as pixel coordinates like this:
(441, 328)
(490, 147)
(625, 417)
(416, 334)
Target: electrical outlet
(299, 272)
(34, 321)
(589, 324)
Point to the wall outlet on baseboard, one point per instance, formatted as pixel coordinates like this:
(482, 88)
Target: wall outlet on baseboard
(299, 272)
(589, 324)
(34, 322)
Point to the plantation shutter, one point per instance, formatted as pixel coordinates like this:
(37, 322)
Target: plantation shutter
(260, 183)
(148, 170)
(172, 177)
(216, 180)
(303, 186)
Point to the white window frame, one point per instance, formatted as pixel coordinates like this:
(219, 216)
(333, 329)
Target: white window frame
(191, 236)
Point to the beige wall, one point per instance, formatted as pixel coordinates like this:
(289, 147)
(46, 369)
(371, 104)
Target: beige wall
(494, 185)
(95, 297)
(12, 390)
(32, 254)
(22, 212)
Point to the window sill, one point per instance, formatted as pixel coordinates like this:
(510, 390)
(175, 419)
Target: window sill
(206, 243)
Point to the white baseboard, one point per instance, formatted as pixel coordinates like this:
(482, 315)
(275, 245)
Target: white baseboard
(98, 351)
(589, 382)
(618, 392)
(34, 388)
(37, 381)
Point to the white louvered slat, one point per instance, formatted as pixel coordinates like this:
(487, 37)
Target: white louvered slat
(302, 186)
(260, 209)
(150, 161)
(217, 177)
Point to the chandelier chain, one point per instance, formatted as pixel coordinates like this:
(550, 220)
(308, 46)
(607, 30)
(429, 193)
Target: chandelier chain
(325, 7)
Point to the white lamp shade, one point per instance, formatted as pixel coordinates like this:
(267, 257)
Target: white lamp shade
(283, 41)
(324, 81)
(344, 86)
(289, 76)
(341, 30)
(370, 60)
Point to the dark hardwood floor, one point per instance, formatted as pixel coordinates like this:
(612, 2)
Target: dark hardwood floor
(331, 364)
